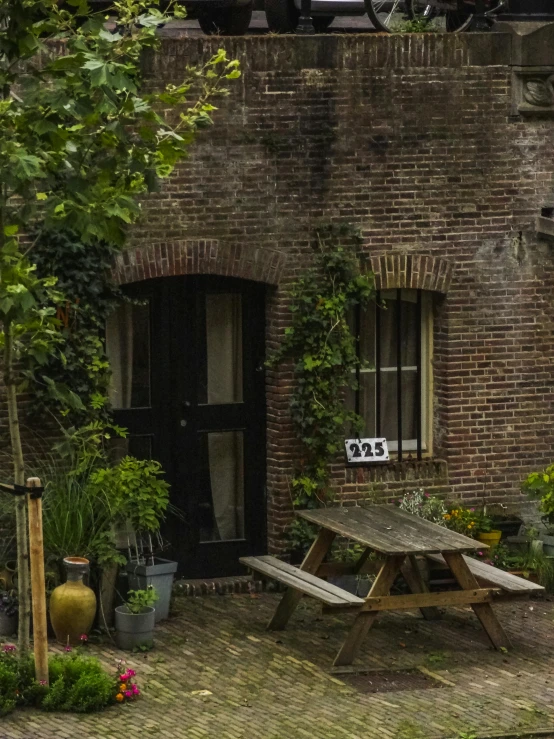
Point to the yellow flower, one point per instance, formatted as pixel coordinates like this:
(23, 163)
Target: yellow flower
(123, 687)
(119, 697)
(447, 516)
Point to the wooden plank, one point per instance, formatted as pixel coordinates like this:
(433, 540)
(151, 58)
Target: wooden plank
(345, 522)
(422, 533)
(389, 530)
(421, 600)
(365, 618)
(417, 584)
(309, 584)
(483, 611)
(311, 563)
(493, 576)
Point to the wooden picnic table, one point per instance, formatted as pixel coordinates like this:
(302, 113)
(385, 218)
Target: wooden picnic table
(399, 538)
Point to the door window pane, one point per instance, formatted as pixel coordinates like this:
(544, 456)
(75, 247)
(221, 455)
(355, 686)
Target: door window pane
(128, 349)
(221, 376)
(221, 486)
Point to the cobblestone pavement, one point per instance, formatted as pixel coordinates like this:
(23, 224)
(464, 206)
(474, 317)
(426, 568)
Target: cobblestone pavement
(279, 686)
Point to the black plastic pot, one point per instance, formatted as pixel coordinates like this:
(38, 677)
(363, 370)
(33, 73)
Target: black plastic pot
(528, 10)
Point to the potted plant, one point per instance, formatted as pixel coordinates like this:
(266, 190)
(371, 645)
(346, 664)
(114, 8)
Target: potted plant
(484, 530)
(139, 499)
(9, 609)
(135, 619)
(540, 485)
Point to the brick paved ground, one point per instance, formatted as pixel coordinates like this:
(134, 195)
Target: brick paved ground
(267, 686)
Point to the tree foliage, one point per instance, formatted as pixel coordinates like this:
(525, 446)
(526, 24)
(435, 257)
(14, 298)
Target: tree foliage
(80, 144)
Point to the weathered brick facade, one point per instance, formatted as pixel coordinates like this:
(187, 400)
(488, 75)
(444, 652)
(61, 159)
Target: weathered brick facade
(414, 139)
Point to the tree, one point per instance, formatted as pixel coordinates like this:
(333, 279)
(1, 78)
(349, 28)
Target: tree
(79, 145)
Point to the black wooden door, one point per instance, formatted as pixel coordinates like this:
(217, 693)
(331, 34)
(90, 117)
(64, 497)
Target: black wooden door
(203, 414)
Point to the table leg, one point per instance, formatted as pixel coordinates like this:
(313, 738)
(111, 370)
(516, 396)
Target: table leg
(365, 619)
(412, 574)
(311, 562)
(467, 581)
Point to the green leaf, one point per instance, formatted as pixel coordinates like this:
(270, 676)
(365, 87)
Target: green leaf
(42, 196)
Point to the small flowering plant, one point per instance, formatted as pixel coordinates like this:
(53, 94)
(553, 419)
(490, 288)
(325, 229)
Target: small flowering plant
(419, 503)
(468, 521)
(127, 689)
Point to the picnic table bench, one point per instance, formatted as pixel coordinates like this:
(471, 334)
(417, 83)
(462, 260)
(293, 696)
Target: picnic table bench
(399, 538)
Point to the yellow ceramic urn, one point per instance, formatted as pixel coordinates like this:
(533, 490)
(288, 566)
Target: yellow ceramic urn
(73, 604)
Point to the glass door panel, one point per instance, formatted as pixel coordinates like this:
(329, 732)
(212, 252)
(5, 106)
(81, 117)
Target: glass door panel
(221, 373)
(221, 494)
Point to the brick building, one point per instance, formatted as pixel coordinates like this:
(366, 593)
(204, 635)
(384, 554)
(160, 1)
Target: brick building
(440, 148)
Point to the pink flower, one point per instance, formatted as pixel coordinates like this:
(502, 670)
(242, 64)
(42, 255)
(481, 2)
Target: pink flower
(472, 509)
(83, 637)
(7, 648)
(136, 691)
(128, 693)
(131, 673)
(67, 648)
(42, 682)
(123, 677)
(426, 495)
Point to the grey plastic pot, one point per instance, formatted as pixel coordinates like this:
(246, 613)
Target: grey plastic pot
(160, 576)
(134, 629)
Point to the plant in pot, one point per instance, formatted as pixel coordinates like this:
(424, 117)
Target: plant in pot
(135, 619)
(139, 500)
(540, 486)
(9, 609)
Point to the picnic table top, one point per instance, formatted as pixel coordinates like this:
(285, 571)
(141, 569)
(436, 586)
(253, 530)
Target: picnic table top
(389, 530)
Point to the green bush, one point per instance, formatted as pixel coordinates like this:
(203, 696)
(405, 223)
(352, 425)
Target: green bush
(77, 683)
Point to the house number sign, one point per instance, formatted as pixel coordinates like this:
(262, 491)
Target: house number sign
(362, 451)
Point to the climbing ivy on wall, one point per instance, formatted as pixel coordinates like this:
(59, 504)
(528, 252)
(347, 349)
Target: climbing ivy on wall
(322, 346)
(74, 382)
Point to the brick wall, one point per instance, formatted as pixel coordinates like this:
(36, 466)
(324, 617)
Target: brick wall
(414, 140)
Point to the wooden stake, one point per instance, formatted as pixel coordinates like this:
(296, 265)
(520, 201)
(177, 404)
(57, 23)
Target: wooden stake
(38, 585)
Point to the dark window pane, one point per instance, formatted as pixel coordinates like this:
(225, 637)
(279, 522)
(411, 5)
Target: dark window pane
(128, 349)
(367, 336)
(387, 315)
(221, 494)
(367, 401)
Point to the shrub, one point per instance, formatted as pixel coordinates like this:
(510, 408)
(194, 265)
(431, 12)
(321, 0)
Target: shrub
(424, 505)
(540, 485)
(77, 683)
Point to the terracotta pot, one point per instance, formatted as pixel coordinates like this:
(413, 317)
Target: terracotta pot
(73, 604)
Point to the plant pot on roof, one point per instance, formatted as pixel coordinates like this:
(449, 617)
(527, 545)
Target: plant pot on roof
(135, 620)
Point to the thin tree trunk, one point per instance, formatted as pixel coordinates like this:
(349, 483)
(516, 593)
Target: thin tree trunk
(23, 578)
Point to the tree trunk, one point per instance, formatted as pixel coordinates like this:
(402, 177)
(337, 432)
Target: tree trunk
(23, 578)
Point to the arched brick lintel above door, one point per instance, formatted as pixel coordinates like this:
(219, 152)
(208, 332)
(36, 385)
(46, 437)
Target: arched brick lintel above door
(416, 271)
(259, 264)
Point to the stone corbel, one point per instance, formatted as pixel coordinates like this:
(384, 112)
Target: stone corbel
(533, 91)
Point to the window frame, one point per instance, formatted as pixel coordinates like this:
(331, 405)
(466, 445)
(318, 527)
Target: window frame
(422, 445)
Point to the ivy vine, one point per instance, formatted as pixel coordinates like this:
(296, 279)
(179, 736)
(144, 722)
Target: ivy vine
(322, 346)
(74, 380)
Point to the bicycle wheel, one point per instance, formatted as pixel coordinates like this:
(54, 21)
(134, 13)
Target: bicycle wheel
(450, 21)
(386, 15)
